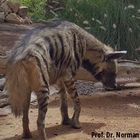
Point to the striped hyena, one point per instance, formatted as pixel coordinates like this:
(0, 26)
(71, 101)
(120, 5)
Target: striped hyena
(52, 54)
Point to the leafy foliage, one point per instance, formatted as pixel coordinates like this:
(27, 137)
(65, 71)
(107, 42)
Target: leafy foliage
(36, 8)
(115, 22)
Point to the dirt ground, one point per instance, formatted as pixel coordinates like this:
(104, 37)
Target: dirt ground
(112, 112)
(101, 112)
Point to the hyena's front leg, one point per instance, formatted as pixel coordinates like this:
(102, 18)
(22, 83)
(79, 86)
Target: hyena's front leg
(64, 106)
(25, 119)
(77, 107)
(42, 97)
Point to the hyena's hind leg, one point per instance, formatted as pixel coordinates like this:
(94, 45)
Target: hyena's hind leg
(25, 119)
(64, 105)
(42, 96)
(77, 107)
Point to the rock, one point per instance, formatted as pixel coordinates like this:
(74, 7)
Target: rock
(22, 12)
(13, 6)
(3, 112)
(2, 17)
(3, 102)
(3, 94)
(27, 20)
(129, 69)
(13, 18)
(13, 13)
(5, 8)
(2, 83)
(3, 99)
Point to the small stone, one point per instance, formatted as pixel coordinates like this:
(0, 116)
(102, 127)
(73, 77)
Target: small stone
(27, 20)
(23, 11)
(13, 18)
(3, 112)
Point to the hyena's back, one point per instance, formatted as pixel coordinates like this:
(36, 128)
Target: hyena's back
(57, 48)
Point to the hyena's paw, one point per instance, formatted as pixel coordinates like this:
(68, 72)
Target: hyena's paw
(66, 121)
(27, 135)
(75, 124)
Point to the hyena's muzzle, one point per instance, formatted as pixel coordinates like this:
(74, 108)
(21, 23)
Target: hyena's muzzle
(109, 80)
(108, 74)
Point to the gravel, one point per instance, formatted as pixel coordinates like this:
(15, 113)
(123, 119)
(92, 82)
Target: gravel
(87, 87)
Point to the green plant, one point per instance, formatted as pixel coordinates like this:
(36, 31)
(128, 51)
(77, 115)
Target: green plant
(115, 22)
(36, 8)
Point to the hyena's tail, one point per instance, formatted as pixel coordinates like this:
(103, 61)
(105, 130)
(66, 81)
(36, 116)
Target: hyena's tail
(17, 85)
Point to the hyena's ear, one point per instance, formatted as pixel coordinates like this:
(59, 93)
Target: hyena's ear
(114, 55)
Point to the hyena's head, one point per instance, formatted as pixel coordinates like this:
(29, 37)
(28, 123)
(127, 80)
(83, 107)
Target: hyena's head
(103, 66)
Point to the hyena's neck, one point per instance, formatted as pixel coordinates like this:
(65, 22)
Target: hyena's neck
(94, 53)
(91, 41)
(90, 67)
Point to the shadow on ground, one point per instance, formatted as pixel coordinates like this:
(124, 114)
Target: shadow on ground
(60, 130)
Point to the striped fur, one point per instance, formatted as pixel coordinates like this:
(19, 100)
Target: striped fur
(49, 55)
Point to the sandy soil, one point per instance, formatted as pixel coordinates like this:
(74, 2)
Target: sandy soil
(101, 112)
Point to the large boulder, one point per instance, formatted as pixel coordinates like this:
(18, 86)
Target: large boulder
(23, 11)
